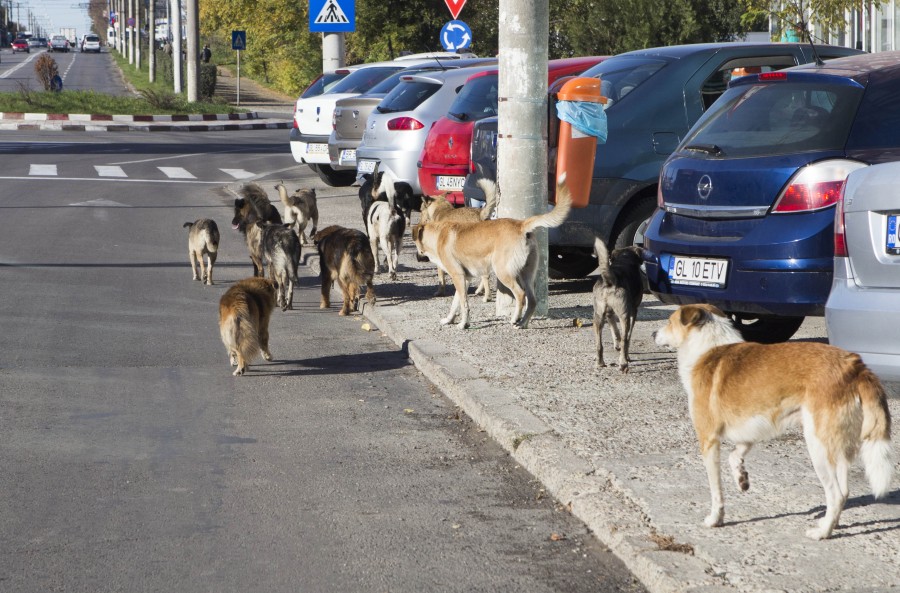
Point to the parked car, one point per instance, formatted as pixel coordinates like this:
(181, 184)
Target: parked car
(313, 115)
(865, 293)
(21, 45)
(351, 114)
(746, 216)
(445, 161)
(59, 43)
(396, 131)
(324, 82)
(654, 96)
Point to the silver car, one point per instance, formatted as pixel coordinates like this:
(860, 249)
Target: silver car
(395, 132)
(863, 307)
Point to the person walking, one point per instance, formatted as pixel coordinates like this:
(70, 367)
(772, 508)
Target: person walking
(205, 54)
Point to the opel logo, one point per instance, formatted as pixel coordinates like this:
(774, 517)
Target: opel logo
(704, 188)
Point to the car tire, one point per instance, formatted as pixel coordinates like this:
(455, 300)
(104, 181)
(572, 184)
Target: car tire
(766, 329)
(335, 178)
(570, 263)
(629, 229)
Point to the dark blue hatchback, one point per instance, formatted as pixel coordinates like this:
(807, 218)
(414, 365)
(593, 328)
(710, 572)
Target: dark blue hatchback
(746, 202)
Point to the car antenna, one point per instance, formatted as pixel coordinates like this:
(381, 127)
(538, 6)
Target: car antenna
(818, 60)
(438, 60)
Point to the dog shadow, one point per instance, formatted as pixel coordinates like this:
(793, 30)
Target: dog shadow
(369, 362)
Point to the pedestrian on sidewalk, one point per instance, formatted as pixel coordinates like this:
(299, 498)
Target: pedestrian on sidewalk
(205, 54)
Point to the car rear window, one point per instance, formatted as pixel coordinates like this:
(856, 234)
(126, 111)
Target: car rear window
(877, 123)
(477, 99)
(360, 81)
(323, 84)
(407, 95)
(778, 118)
(92, 39)
(618, 77)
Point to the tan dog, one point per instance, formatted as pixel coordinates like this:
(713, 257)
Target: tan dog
(439, 208)
(749, 392)
(346, 258)
(244, 313)
(203, 240)
(300, 208)
(505, 245)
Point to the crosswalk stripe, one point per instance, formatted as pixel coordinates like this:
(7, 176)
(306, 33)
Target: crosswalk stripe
(237, 173)
(176, 173)
(42, 170)
(110, 171)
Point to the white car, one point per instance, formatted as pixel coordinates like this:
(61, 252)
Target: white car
(90, 42)
(313, 116)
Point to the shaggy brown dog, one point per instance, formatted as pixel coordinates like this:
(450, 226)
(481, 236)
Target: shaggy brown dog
(244, 313)
(255, 205)
(346, 258)
(300, 208)
(203, 239)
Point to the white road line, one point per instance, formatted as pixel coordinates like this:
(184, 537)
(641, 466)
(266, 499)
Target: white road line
(45, 170)
(238, 173)
(109, 171)
(96, 179)
(12, 70)
(176, 173)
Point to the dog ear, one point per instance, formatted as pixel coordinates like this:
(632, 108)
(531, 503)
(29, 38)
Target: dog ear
(692, 315)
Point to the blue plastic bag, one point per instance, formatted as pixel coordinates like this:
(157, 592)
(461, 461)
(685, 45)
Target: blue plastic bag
(586, 117)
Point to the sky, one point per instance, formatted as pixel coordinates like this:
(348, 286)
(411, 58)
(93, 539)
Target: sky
(53, 14)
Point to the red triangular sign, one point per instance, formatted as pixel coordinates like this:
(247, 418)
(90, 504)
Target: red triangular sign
(455, 6)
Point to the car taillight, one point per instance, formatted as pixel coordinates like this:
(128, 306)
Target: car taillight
(815, 186)
(840, 239)
(405, 123)
(769, 76)
(334, 116)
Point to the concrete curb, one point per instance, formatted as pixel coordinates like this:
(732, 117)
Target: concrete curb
(138, 123)
(591, 494)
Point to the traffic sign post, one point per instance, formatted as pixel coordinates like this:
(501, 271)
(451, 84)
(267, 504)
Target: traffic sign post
(456, 35)
(238, 42)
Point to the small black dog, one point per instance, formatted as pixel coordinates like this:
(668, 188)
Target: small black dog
(617, 297)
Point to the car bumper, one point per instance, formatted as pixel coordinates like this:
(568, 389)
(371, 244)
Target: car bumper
(859, 320)
(428, 181)
(781, 265)
(342, 153)
(401, 164)
(309, 149)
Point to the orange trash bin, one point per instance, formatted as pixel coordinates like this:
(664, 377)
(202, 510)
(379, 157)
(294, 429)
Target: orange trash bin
(576, 149)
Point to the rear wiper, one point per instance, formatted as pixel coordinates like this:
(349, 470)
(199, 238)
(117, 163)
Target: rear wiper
(707, 148)
(385, 110)
(459, 116)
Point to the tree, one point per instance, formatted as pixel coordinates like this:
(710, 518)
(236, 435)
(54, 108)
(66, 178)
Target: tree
(796, 15)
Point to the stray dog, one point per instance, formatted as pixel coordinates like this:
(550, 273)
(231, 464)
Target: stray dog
(300, 208)
(439, 208)
(472, 249)
(345, 257)
(255, 205)
(203, 239)
(383, 186)
(617, 296)
(244, 313)
(386, 227)
(278, 246)
(751, 392)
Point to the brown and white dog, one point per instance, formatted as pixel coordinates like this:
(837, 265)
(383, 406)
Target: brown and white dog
(244, 313)
(617, 296)
(436, 208)
(385, 226)
(749, 392)
(505, 245)
(203, 240)
(253, 206)
(346, 258)
(302, 209)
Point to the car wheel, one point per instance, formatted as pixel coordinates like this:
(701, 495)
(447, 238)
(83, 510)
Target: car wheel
(566, 262)
(632, 222)
(766, 329)
(335, 178)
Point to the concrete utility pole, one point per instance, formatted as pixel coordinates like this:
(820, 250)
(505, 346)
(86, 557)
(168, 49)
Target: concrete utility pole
(193, 50)
(130, 29)
(151, 25)
(138, 9)
(332, 51)
(175, 31)
(522, 120)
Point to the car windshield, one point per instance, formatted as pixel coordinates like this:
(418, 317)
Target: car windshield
(477, 99)
(778, 118)
(363, 79)
(407, 95)
(620, 76)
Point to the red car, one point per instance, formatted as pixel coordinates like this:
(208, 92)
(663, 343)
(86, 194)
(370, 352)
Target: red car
(444, 162)
(21, 45)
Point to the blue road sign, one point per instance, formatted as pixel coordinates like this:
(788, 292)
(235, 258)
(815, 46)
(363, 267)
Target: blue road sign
(238, 40)
(332, 16)
(456, 35)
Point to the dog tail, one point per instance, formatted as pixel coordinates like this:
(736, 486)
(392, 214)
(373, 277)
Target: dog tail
(187, 225)
(560, 211)
(876, 449)
(238, 332)
(388, 187)
(282, 193)
(213, 243)
(602, 260)
(490, 196)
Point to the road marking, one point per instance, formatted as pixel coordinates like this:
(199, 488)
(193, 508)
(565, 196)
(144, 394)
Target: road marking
(100, 203)
(176, 173)
(115, 180)
(109, 171)
(9, 72)
(45, 170)
(238, 173)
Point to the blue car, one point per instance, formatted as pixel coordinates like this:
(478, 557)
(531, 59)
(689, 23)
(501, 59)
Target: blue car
(746, 203)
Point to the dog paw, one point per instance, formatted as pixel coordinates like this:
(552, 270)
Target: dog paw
(817, 533)
(238, 372)
(743, 481)
(446, 321)
(714, 519)
(267, 355)
(232, 360)
(623, 366)
(393, 275)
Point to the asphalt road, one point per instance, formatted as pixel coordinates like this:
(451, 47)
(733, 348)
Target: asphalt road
(131, 459)
(79, 71)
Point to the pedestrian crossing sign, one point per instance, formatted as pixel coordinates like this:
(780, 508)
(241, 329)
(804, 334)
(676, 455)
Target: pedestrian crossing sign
(238, 40)
(332, 16)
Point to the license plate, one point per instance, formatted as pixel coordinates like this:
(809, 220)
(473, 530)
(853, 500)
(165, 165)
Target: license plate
(695, 271)
(348, 156)
(450, 183)
(892, 245)
(316, 149)
(365, 166)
